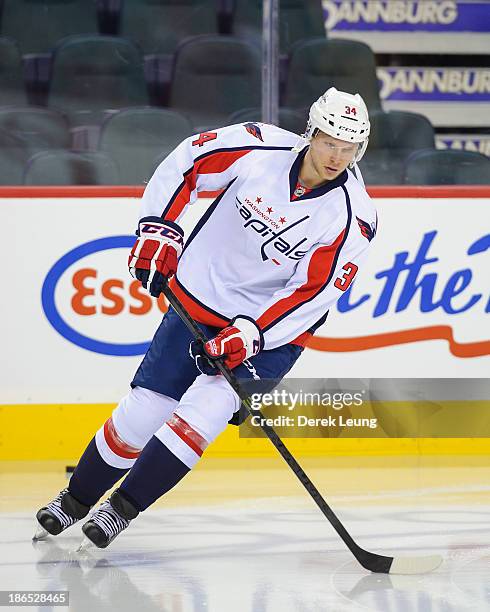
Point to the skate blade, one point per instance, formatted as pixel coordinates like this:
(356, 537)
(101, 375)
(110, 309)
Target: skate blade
(85, 545)
(41, 533)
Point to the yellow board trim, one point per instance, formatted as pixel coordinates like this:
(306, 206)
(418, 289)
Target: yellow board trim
(62, 431)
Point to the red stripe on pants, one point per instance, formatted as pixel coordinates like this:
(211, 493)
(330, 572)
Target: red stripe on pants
(116, 444)
(187, 434)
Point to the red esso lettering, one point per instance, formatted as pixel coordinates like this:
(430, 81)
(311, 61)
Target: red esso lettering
(116, 296)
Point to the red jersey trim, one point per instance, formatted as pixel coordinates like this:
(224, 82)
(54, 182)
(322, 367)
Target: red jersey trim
(199, 313)
(319, 271)
(302, 339)
(197, 310)
(214, 163)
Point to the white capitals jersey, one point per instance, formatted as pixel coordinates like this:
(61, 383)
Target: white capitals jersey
(266, 247)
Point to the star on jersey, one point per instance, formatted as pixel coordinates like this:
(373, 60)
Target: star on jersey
(258, 200)
(269, 210)
(282, 219)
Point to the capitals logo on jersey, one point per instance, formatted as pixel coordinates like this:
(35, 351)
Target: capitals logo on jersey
(253, 128)
(277, 239)
(368, 231)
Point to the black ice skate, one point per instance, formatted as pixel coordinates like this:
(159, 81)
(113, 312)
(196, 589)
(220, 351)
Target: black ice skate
(63, 512)
(107, 521)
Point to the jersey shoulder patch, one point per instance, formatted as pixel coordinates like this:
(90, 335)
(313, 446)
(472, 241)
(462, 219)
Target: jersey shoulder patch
(272, 134)
(254, 129)
(367, 230)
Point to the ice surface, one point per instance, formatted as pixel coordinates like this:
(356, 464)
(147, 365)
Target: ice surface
(266, 554)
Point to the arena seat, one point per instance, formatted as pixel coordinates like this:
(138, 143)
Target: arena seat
(447, 167)
(37, 25)
(158, 26)
(298, 20)
(12, 160)
(94, 74)
(213, 76)
(395, 135)
(135, 137)
(59, 167)
(316, 65)
(35, 128)
(11, 74)
(25, 131)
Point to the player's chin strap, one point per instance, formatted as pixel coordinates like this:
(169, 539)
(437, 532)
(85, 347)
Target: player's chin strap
(370, 561)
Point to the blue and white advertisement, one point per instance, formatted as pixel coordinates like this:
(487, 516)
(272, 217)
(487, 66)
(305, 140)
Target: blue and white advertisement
(478, 143)
(447, 96)
(78, 323)
(442, 21)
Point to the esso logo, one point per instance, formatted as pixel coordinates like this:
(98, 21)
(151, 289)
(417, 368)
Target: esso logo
(89, 298)
(117, 296)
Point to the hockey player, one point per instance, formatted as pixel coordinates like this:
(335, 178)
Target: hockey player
(259, 273)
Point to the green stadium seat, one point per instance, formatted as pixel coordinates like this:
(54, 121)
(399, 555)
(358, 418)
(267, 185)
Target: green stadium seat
(213, 77)
(12, 91)
(318, 64)
(136, 137)
(60, 167)
(158, 26)
(298, 20)
(37, 25)
(395, 135)
(436, 167)
(25, 131)
(95, 74)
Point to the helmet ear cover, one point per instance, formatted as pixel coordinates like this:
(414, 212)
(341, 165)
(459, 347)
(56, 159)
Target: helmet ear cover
(360, 153)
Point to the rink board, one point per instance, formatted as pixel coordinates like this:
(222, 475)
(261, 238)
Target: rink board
(27, 433)
(74, 328)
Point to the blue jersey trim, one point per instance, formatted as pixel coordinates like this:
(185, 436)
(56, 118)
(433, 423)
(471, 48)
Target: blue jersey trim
(317, 191)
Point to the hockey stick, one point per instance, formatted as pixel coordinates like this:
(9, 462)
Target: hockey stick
(370, 561)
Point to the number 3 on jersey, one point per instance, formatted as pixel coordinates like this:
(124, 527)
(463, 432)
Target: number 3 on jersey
(203, 138)
(346, 279)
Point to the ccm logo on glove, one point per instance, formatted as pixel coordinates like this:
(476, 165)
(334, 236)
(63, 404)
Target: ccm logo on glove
(241, 340)
(154, 256)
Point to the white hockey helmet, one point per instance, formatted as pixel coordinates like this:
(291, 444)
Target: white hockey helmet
(340, 115)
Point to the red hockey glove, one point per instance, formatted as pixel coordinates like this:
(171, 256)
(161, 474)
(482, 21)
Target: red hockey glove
(153, 258)
(239, 341)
